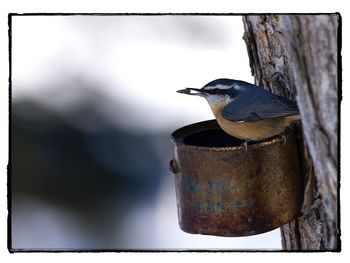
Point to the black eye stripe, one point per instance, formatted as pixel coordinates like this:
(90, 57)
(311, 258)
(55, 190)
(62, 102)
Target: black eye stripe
(216, 91)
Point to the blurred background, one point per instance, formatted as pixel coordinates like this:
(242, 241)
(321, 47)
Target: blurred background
(93, 105)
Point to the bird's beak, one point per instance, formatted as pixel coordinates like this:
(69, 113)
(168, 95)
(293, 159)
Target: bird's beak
(198, 92)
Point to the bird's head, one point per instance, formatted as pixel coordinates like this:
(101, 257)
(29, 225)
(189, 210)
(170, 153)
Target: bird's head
(216, 91)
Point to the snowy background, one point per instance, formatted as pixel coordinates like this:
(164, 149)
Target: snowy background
(93, 104)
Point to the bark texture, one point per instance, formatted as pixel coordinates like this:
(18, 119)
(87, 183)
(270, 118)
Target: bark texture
(295, 56)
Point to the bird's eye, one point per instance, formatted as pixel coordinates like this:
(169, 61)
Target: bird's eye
(212, 91)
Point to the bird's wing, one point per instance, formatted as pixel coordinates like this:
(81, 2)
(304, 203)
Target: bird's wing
(262, 105)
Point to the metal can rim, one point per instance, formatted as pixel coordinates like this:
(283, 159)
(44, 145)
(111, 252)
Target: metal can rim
(177, 137)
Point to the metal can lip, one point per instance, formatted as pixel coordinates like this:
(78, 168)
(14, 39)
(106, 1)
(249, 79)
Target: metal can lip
(180, 136)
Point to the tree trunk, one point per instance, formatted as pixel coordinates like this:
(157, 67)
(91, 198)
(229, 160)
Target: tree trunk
(296, 55)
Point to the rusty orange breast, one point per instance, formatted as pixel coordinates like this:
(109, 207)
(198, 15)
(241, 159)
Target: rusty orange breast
(254, 131)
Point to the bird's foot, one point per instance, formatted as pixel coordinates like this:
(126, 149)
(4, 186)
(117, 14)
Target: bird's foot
(245, 145)
(284, 138)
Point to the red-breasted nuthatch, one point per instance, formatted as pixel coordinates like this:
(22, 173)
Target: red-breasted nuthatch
(246, 111)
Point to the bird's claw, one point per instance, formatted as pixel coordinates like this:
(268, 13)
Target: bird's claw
(245, 145)
(284, 138)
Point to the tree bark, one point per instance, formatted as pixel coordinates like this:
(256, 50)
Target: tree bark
(297, 56)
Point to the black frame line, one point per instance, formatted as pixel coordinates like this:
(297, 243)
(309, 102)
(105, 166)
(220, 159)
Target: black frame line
(63, 250)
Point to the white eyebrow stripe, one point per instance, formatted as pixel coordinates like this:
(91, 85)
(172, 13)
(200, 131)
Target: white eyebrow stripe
(218, 87)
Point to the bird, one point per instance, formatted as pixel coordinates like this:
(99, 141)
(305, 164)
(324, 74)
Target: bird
(246, 111)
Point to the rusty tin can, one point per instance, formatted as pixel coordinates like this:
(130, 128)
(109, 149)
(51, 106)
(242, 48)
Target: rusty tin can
(224, 190)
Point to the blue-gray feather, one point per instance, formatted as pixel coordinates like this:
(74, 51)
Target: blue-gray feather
(252, 103)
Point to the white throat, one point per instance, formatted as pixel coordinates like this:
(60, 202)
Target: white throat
(216, 100)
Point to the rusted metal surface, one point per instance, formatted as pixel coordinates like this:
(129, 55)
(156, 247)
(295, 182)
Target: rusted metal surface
(223, 190)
